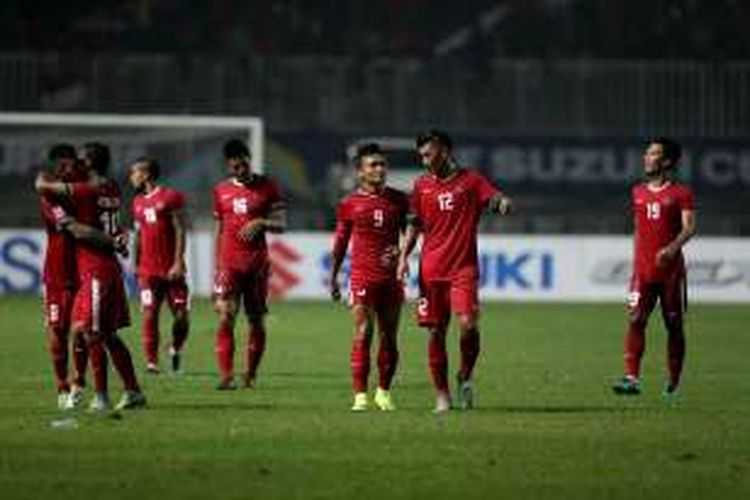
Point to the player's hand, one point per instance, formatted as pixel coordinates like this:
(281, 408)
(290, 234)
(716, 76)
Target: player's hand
(402, 269)
(251, 230)
(389, 259)
(121, 244)
(505, 206)
(335, 290)
(664, 255)
(176, 272)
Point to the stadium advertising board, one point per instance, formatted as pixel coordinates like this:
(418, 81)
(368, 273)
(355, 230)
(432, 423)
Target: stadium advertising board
(546, 268)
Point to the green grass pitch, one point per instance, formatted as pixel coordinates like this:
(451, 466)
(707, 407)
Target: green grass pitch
(546, 426)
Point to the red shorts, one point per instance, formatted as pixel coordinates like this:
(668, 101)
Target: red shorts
(155, 288)
(251, 286)
(101, 304)
(671, 292)
(58, 303)
(379, 295)
(437, 299)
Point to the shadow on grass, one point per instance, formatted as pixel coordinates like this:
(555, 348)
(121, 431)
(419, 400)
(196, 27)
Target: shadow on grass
(555, 409)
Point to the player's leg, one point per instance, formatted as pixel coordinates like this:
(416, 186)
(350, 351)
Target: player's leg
(673, 306)
(132, 396)
(255, 293)
(86, 313)
(152, 296)
(57, 340)
(465, 304)
(179, 303)
(80, 362)
(114, 314)
(434, 312)
(641, 301)
(359, 357)
(80, 359)
(226, 303)
(388, 310)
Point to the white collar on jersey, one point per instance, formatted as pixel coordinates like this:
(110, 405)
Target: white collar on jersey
(656, 189)
(152, 193)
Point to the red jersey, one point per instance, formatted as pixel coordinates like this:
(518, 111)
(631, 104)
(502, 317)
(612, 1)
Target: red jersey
(96, 205)
(374, 222)
(59, 260)
(658, 221)
(449, 211)
(234, 205)
(153, 213)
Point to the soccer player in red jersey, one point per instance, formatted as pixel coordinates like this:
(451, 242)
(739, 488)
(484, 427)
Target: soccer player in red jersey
(373, 218)
(159, 216)
(664, 215)
(446, 206)
(100, 306)
(60, 281)
(246, 206)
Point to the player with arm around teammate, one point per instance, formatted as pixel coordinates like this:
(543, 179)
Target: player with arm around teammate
(372, 218)
(60, 282)
(446, 205)
(100, 306)
(664, 216)
(159, 216)
(246, 205)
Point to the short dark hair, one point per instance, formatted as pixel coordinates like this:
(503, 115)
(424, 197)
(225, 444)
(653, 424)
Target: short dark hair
(367, 149)
(98, 154)
(235, 148)
(62, 150)
(152, 166)
(672, 149)
(434, 135)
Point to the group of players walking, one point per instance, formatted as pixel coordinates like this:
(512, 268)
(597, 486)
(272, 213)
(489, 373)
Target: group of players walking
(379, 226)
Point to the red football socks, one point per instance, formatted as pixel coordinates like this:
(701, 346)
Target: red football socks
(225, 350)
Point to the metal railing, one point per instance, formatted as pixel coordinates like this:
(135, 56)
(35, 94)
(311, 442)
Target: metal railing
(520, 97)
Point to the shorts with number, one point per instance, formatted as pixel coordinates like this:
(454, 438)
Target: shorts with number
(252, 287)
(58, 302)
(154, 289)
(671, 292)
(437, 299)
(100, 304)
(384, 295)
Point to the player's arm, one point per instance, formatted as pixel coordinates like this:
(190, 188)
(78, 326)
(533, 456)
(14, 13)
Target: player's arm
(87, 234)
(408, 242)
(688, 230)
(340, 244)
(178, 267)
(137, 246)
(273, 222)
(44, 184)
(217, 242)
